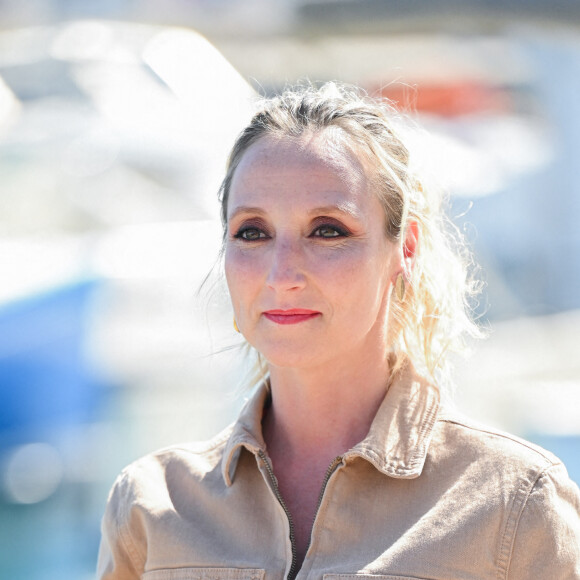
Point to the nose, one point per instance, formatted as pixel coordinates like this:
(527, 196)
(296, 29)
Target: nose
(286, 269)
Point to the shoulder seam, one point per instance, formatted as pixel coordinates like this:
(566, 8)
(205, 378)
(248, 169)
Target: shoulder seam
(546, 455)
(124, 530)
(204, 446)
(511, 529)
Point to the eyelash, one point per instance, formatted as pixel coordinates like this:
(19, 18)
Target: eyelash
(240, 234)
(340, 231)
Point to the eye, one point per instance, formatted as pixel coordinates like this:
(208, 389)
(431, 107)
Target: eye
(329, 231)
(250, 234)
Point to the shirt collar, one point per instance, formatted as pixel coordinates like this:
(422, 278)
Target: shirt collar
(397, 441)
(399, 437)
(247, 432)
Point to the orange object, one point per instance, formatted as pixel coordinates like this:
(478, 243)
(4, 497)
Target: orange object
(449, 100)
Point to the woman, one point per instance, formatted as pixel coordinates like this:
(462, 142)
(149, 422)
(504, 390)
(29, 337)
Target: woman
(344, 463)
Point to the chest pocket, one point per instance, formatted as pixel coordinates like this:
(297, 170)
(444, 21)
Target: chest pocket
(205, 574)
(370, 577)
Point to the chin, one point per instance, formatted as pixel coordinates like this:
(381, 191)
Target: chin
(289, 356)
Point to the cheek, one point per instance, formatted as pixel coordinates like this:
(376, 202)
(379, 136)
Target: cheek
(350, 280)
(354, 264)
(242, 272)
(368, 274)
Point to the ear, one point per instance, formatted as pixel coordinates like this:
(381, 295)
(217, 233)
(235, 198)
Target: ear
(410, 245)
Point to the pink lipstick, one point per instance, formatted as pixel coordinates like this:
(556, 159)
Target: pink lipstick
(291, 316)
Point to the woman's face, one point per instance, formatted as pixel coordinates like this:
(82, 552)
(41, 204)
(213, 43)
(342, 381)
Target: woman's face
(308, 265)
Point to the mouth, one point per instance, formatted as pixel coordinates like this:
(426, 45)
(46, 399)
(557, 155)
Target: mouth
(292, 316)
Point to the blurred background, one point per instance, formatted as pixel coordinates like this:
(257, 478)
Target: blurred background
(115, 121)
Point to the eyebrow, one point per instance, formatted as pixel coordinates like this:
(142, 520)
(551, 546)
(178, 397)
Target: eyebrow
(246, 209)
(346, 207)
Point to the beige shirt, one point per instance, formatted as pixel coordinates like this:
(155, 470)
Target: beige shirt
(423, 496)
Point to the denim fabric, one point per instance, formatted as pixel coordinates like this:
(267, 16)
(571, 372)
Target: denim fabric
(426, 495)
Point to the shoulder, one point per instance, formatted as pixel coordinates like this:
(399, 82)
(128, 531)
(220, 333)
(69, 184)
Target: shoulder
(488, 444)
(504, 469)
(146, 497)
(148, 478)
(537, 503)
(201, 454)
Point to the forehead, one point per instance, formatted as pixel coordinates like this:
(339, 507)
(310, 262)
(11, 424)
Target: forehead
(314, 163)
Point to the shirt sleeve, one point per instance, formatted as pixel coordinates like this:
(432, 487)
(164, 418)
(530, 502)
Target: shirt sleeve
(547, 538)
(119, 557)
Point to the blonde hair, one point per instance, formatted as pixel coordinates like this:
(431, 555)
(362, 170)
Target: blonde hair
(434, 317)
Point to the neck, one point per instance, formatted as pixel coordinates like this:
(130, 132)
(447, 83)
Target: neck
(323, 412)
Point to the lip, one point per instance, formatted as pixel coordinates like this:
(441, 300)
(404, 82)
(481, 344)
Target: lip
(291, 316)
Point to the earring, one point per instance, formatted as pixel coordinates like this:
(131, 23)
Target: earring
(236, 326)
(400, 287)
